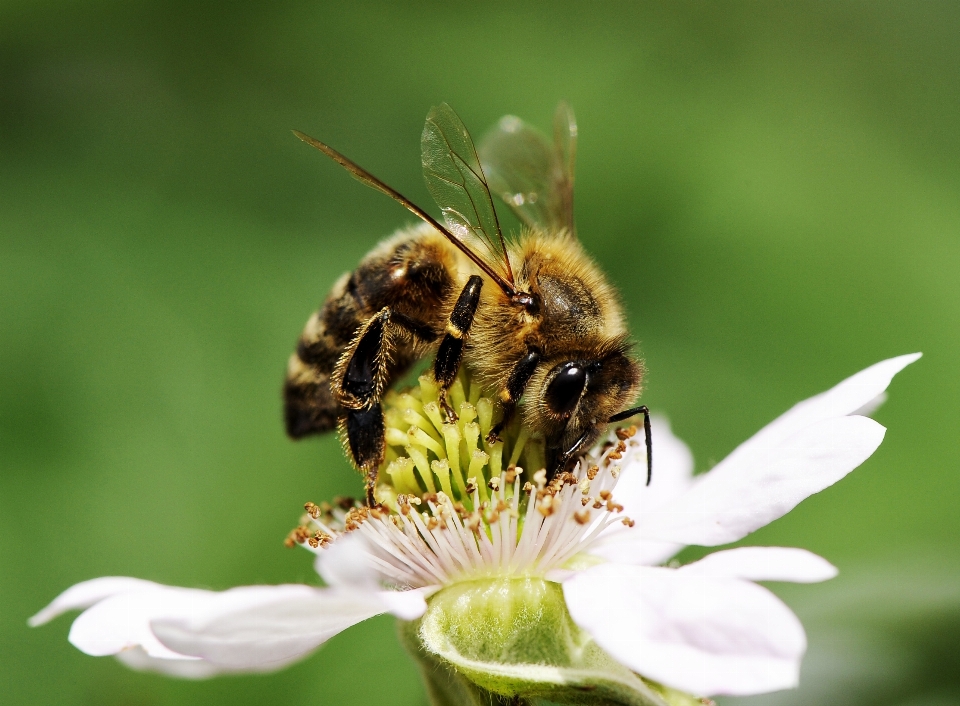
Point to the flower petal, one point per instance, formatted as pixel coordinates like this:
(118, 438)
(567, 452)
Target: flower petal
(85, 594)
(267, 633)
(186, 668)
(672, 476)
(122, 621)
(764, 564)
(699, 634)
(346, 563)
(201, 633)
(734, 499)
(848, 397)
(800, 453)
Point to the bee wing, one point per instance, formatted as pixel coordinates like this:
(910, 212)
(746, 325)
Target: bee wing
(365, 177)
(532, 176)
(456, 180)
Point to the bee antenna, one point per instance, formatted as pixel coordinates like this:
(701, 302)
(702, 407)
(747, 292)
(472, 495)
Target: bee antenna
(365, 177)
(648, 436)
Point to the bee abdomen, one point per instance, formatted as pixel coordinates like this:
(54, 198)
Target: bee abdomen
(309, 405)
(411, 275)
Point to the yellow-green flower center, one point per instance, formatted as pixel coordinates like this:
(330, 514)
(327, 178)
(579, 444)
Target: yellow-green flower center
(427, 454)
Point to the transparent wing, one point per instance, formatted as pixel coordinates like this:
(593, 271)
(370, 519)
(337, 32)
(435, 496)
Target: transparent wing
(532, 176)
(457, 182)
(365, 177)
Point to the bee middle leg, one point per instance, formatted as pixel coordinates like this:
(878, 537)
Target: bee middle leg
(359, 381)
(511, 394)
(447, 363)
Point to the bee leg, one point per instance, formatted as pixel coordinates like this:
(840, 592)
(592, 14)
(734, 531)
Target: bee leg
(557, 460)
(358, 382)
(450, 353)
(365, 437)
(516, 383)
(647, 433)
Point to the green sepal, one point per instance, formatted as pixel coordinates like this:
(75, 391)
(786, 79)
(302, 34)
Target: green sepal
(512, 641)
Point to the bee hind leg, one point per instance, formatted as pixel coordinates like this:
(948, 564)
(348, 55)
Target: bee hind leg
(365, 438)
(362, 374)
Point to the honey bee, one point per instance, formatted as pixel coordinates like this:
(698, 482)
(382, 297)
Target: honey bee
(531, 316)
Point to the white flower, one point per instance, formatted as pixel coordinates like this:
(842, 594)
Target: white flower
(703, 628)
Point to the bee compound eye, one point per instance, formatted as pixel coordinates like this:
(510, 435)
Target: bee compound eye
(565, 389)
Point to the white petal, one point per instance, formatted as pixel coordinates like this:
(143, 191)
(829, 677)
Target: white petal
(252, 628)
(346, 563)
(672, 476)
(735, 498)
(764, 564)
(872, 406)
(800, 453)
(269, 634)
(84, 595)
(123, 621)
(408, 605)
(844, 399)
(700, 634)
(187, 668)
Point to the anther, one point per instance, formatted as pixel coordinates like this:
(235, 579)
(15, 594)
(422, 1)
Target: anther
(628, 522)
(473, 523)
(605, 494)
(545, 506)
(312, 510)
(494, 484)
(582, 517)
(471, 485)
(592, 472)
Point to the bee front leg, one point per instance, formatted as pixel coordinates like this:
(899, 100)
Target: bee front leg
(510, 395)
(450, 353)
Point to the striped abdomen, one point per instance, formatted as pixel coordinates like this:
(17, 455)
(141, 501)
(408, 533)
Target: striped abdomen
(412, 274)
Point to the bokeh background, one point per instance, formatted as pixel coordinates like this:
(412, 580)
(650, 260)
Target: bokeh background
(772, 186)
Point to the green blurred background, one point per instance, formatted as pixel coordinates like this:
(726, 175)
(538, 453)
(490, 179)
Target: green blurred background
(773, 187)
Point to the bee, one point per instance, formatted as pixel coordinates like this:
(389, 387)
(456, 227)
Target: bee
(532, 316)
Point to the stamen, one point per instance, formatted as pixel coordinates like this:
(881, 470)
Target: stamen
(450, 509)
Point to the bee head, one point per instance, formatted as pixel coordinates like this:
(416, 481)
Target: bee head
(579, 394)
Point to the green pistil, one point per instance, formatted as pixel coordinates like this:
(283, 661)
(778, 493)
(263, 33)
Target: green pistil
(426, 454)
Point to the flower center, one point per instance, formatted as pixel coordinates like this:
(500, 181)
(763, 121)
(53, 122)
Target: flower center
(454, 506)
